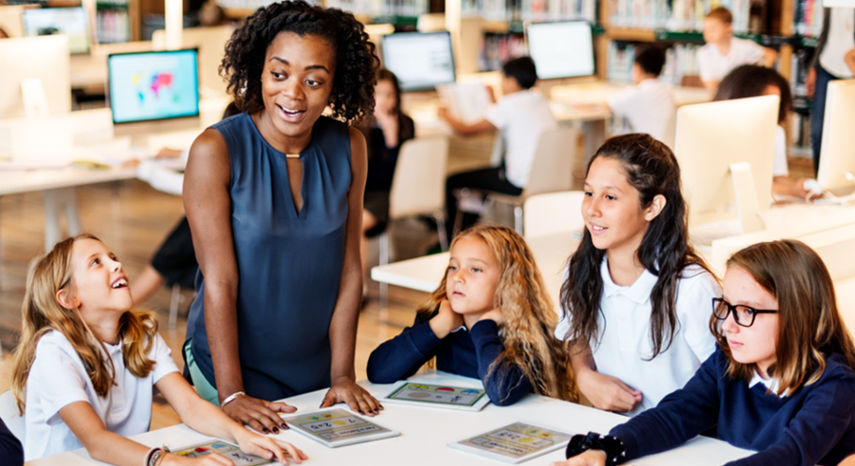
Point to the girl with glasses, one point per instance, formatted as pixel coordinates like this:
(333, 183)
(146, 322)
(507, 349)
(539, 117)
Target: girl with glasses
(781, 381)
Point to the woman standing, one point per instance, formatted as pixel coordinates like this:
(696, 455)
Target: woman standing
(274, 200)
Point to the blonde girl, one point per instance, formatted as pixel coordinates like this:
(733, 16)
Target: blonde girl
(489, 318)
(86, 367)
(780, 383)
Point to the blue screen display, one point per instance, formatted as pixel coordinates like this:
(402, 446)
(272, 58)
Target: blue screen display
(153, 85)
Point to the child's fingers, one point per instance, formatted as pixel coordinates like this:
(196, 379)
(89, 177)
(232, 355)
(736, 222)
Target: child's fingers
(215, 459)
(293, 451)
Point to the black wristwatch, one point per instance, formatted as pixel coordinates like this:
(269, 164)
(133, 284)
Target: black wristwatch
(613, 446)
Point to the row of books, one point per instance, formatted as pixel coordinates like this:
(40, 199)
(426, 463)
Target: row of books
(675, 15)
(376, 8)
(113, 25)
(807, 20)
(531, 10)
(680, 60)
(496, 49)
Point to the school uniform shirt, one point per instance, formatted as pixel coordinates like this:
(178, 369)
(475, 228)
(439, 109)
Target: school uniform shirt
(779, 163)
(840, 39)
(58, 378)
(467, 353)
(714, 66)
(814, 424)
(649, 108)
(521, 117)
(624, 347)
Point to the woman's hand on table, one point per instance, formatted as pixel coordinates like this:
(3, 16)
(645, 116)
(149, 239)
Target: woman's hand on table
(345, 390)
(259, 414)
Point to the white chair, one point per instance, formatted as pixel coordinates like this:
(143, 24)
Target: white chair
(545, 214)
(418, 188)
(553, 169)
(10, 415)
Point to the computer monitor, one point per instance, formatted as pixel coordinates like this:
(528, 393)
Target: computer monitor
(152, 86)
(210, 41)
(562, 49)
(35, 76)
(420, 60)
(725, 150)
(73, 22)
(837, 155)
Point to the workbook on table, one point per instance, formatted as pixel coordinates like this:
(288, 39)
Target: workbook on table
(337, 427)
(438, 396)
(513, 443)
(226, 449)
(467, 101)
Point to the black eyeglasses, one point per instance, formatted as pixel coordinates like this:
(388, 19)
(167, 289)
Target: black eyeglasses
(742, 315)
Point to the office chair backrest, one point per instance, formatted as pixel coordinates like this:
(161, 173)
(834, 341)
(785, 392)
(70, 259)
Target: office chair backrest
(418, 185)
(554, 162)
(548, 213)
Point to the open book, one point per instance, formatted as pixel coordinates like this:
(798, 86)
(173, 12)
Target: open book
(467, 101)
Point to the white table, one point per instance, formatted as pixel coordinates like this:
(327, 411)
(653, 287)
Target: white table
(426, 431)
(36, 154)
(424, 273)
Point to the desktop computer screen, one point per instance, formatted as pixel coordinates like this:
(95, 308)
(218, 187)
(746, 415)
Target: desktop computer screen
(836, 171)
(420, 60)
(147, 86)
(73, 22)
(562, 49)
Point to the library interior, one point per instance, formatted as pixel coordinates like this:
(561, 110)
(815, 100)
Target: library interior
(527, 124)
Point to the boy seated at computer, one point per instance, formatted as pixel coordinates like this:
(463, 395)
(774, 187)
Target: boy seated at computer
(521, 115)
(723, 52)
(648, 106)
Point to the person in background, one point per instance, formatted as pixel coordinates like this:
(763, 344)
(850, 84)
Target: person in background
(521, 115)
(836, 40)
(489, 318)
(755, 80)
(385, 131)
(648, 105)
(635, 295)
(780, 381)
(723, 52)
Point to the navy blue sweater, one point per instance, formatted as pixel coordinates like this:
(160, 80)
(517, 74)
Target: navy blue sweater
(467, 353)
(814, 424)
(11, 451)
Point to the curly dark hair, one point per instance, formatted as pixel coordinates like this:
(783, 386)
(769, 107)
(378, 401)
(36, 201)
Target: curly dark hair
(352, 94)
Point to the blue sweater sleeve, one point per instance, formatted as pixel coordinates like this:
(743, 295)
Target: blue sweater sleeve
(402, 356)
(817, 427)
(506, 383)
(10, 447)
(679, 417)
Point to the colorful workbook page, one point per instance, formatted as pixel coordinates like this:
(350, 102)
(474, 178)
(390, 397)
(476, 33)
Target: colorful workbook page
(513, 443)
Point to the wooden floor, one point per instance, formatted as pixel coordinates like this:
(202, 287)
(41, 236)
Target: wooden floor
(132, 219)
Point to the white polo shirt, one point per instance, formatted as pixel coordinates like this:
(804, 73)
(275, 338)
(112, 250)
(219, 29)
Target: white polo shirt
(841, 39)
(58, 378)
(624, 346)
(649, 108)
(714, 66)
(521, 117)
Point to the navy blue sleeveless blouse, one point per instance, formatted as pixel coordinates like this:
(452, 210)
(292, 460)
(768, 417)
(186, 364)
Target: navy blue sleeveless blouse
(289, 263)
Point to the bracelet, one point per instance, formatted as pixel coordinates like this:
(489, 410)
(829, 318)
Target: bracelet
(612, 446)
(153, 456)
(231, 398)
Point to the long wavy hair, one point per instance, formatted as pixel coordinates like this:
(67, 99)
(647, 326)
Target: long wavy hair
(530, 319)
(651, 168)
(809, 325)
(41, 312)
(352, 94)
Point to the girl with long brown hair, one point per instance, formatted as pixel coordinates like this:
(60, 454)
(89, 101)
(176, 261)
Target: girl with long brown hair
(87, 365)
(489, 318)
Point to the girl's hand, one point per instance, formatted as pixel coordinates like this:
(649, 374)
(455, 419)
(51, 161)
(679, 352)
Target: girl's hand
(495, 315)
(607, 392)
(445, 320)
(357, 398)
(212, 459)
(259, 414)
(586, 458)
(267, 447)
